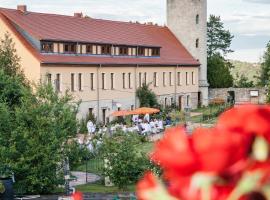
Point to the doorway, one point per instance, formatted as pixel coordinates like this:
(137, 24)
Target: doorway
(104, 116)
(180, 103)
(199, 99)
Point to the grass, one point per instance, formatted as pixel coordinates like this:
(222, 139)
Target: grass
(100, 188)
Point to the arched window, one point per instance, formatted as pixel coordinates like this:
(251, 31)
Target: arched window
(197, 43)
(197, 19)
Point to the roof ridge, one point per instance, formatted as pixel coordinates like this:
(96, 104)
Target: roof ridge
(90, 18)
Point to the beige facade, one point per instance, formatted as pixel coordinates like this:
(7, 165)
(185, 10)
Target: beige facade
(103, 89)
(114, 87)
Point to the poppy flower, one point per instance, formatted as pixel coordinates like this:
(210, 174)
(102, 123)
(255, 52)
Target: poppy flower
(77, 196)
(148, 188)
(207, 150)
(247, 119)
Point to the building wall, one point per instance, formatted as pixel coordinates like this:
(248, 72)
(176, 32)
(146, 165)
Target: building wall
(110, 99)
(242, 95)
(29, 63)
(181, 19)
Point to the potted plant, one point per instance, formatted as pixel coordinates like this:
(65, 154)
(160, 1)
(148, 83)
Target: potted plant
(6, 183)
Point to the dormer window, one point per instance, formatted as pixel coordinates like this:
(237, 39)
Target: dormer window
(89, 49)
(155, 52)
(123, 51)
(106, 49)
(141, 51)
(70, 48)
(47, 47)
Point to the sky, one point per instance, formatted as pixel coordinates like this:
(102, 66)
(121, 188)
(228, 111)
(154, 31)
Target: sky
(247, 20)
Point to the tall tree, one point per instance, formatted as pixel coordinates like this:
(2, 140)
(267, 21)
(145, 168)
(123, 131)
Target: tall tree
(218, 39)
(218, 72)
(146, 96)
(218, 45)
(264, 78)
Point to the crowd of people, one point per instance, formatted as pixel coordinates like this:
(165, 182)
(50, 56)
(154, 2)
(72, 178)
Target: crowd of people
(141, 125)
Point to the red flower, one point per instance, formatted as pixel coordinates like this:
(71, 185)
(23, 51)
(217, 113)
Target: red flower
(207, 150)
(77, 196)
(147, 183)
(248, 119)
(174, 152)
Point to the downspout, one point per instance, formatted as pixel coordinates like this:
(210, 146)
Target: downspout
(175, 84)
(136, 85)
(98, 95)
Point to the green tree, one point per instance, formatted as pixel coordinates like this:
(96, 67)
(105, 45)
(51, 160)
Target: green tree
(219, 73)
(218, 39)
(39, 141)
(265, 67)
(243, 82)
(125, 164)
(9, 60)
(146, 96)
(218, 45)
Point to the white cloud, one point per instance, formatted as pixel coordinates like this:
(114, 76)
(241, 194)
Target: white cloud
(249, 55)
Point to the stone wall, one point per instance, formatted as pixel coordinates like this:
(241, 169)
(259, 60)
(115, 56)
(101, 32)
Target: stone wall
(242, 95)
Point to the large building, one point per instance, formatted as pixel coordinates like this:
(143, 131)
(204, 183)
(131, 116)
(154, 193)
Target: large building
(102, 62)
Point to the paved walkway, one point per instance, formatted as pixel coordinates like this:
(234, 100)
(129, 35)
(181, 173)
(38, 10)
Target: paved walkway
(81, 179)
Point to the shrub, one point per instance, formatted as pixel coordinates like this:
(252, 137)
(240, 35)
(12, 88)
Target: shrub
(125, 163)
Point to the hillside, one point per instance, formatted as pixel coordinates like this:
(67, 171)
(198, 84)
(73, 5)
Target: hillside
(250, 70)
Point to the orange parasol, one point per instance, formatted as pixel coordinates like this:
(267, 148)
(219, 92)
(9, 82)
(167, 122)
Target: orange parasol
(120, 113)
(144, 111)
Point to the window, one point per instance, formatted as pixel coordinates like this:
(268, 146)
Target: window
(145, 78)
(188, 99)
(164, 78)
(197, 43)
(187, 79)
(106, 49)
(165, 102)
(72, 83)
(49, 78)
(170, 77)
(155, 52)
(103, 81)
(47, 47)
(197, 19)
(141, 51)
(155, 79)
(92, 81)
(80, 82)
(179, 78)
(57, 83)
(69, 48)
(172, 102)
(89, 48)
(123, 51)
(124, 80)
(193, 78)
(112, 81)
(129, 80)
(90, 112)
(132, 107)
(140, 79)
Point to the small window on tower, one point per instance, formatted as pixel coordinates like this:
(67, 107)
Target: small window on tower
(197, 19)
(197, 43)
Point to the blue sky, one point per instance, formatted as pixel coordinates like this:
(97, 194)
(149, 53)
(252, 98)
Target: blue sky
(248, 20)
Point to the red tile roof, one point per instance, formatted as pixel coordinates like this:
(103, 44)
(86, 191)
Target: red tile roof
(67, 28)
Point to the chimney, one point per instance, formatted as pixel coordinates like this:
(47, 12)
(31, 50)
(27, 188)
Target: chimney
(79, 15)
(22, 8)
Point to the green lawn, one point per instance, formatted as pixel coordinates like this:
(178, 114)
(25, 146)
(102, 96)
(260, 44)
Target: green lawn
(100, 188)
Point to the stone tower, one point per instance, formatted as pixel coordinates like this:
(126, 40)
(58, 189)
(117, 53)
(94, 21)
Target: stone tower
(187, 19)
